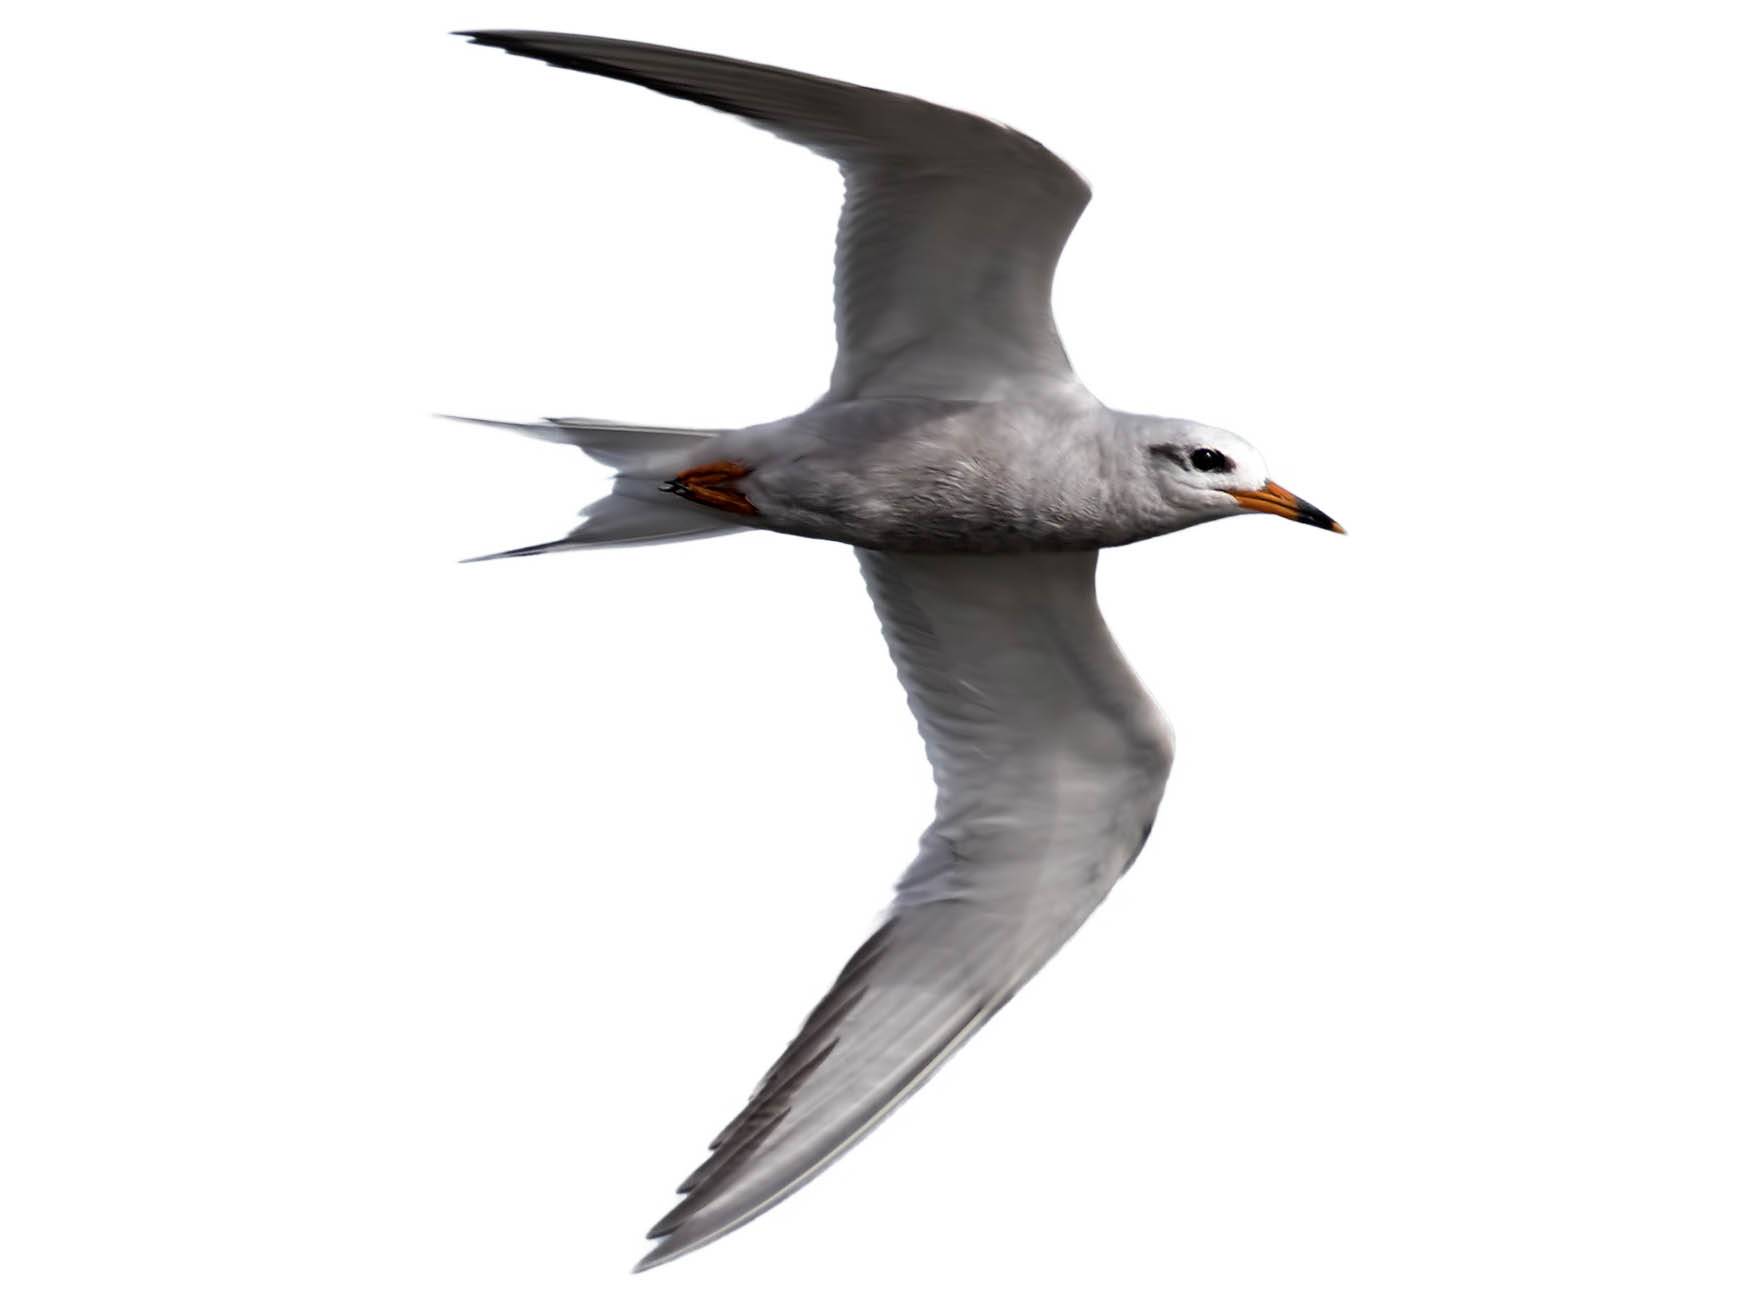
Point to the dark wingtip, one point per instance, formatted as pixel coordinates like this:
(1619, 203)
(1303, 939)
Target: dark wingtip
(533, 550)
(670, 1247)
(506, 38)
(513, 43)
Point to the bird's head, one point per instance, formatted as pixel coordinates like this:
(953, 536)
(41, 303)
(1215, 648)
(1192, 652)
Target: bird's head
(1197, 473)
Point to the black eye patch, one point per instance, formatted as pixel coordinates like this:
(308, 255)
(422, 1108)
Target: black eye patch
(1206, 459)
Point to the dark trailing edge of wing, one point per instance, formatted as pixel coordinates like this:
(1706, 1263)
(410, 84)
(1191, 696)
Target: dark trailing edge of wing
(815, 1040)
(538, 45)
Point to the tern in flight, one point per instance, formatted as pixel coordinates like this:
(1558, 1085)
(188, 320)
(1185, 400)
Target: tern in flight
(978, 480)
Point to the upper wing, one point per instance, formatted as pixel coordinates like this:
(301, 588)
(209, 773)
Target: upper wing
(1050, 761)
(951, 229)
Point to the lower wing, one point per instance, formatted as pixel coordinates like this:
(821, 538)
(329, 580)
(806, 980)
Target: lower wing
(1050, 762)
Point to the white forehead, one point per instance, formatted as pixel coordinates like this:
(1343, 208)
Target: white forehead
(1250, 471)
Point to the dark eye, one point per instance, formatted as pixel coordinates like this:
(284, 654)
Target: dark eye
(1210, 459)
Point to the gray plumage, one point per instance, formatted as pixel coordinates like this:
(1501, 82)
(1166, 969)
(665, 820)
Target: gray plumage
(977, 477)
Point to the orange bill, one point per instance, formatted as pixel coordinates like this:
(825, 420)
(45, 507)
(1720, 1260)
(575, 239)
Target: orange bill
(1280, 501)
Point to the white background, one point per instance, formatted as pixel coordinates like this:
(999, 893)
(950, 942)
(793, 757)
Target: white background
(381, 934)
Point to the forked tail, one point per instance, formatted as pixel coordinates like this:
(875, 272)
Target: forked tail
(638, 509)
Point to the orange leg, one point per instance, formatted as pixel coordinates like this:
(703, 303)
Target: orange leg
(710, 486)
